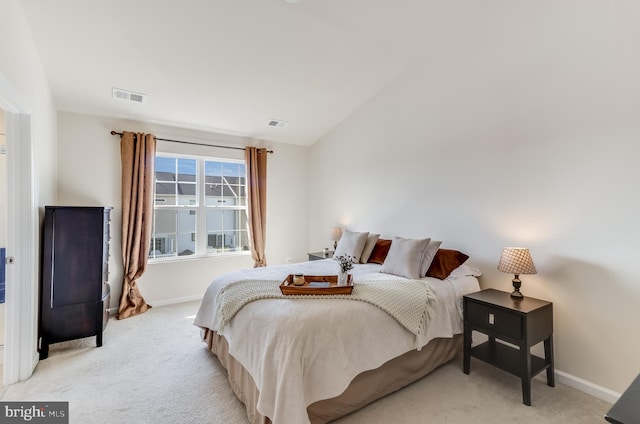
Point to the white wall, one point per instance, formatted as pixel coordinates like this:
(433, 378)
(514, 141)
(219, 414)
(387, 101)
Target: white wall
(20, 67)
(523, 129)
(89, 173)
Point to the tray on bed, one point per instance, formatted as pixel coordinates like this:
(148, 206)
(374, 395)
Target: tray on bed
(287, 287)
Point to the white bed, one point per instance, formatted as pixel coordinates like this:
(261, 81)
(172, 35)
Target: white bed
(298, 352)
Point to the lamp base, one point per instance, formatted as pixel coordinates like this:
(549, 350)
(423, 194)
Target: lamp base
(515, 294)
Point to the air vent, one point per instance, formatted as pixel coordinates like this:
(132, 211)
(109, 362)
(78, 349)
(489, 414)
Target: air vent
(128, 95)
(277, 123)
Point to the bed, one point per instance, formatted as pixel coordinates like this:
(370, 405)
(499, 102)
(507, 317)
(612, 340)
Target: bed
(313, 360)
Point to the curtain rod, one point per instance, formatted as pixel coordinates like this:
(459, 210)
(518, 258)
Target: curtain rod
(192, 142)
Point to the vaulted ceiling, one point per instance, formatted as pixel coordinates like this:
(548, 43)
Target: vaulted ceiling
(231, 66)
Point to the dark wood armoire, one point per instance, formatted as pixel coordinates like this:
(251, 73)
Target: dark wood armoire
(74, 289)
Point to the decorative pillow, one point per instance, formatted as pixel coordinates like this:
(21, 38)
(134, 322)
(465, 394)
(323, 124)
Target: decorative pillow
(380, 251)
(351, 244)
(429, 254)
(405, 257)
(445, 261)
(368, 247)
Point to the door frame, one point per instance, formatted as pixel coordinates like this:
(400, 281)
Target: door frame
(20, 353)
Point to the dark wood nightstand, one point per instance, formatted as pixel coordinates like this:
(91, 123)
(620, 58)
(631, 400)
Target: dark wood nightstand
(523, 323)
(316, 256)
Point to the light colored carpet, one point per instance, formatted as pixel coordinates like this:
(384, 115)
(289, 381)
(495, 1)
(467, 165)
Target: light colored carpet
(154, 369)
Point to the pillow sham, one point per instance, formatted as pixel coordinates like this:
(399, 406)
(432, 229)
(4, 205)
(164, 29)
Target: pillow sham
(380, 251)
(444, 262)
(429, 254)
(368, 247)
(351, 244)
(464, 271)
(405, 257)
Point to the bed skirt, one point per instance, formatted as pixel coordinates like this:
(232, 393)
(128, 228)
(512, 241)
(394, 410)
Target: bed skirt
(367, 387)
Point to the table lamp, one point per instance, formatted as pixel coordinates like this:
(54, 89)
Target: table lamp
(336, 233)
(516, 260)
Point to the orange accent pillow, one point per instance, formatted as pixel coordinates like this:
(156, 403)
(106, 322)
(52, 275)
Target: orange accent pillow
(380, 251)
(445, 261)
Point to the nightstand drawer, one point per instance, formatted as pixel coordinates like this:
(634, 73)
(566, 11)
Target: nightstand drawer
(502, 322)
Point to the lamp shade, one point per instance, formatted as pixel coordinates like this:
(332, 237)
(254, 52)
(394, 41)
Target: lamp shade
(516, 260)
(336, 233)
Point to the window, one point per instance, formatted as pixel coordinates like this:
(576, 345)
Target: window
(200, 207)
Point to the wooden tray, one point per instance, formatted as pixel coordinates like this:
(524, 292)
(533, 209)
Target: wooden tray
(287, 287)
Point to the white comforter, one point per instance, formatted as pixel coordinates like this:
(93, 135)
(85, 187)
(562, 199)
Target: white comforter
(300, 351)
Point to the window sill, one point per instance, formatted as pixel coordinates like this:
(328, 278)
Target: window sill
(194, 258)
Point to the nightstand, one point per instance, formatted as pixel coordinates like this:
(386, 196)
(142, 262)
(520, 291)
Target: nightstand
(523, 323)
(316, 256)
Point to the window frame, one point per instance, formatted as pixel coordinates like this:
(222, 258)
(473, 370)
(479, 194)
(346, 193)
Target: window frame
(200, 210)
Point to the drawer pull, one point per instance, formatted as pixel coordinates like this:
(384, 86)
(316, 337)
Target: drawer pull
(492, 319)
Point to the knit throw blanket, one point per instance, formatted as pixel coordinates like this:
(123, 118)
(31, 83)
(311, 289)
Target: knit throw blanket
(409, 302)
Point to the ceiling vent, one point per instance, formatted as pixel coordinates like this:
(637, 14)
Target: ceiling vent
(128, 95)
(277, 123)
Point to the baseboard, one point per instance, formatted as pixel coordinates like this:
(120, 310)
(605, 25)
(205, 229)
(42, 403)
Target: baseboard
(113, 311)
(176, 300)
(34, 361)
(583, 385)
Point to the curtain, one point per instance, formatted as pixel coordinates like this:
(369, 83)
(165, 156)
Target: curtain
(256, 163)
(137, 152)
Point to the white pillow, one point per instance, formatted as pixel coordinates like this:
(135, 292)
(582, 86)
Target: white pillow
(351, 244)
(429, 254)
(405, 257)
(465, 270)
(368, 247)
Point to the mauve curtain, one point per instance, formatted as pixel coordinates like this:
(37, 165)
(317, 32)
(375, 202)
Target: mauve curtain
(256, 163)
(137, 152)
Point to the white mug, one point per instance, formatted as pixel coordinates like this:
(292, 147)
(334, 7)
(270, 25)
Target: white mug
(298, 279)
